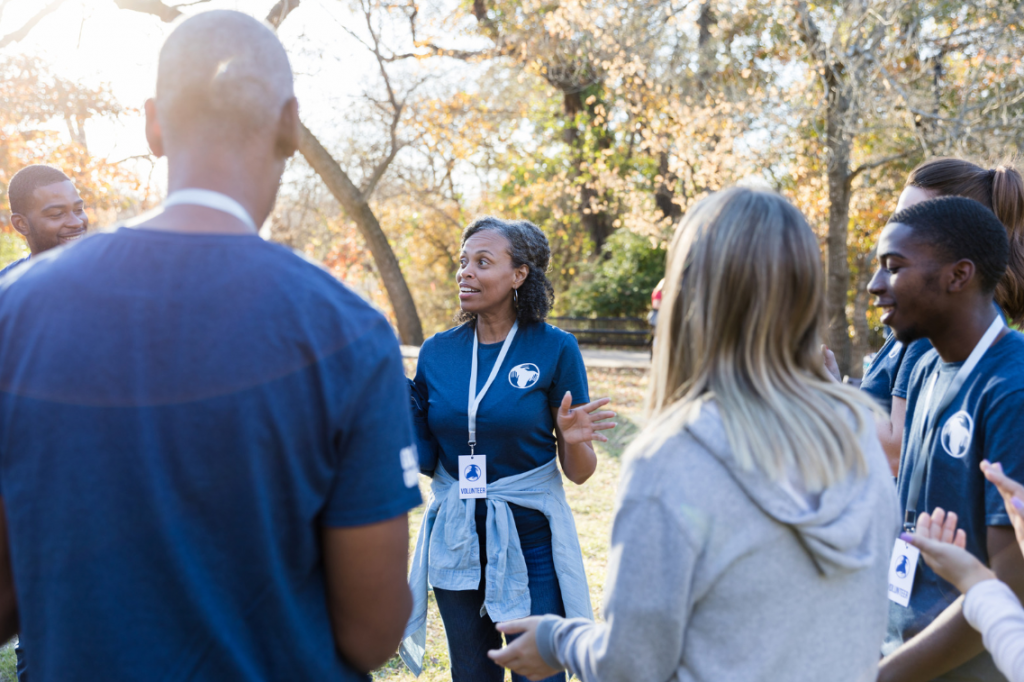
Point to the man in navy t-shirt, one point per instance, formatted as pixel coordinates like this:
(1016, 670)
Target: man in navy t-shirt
(940, 263)
(206, 454)
(45, 209)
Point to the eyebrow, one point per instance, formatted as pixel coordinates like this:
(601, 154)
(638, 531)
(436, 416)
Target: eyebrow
(482, 251)
(891, 254)
(50, 207)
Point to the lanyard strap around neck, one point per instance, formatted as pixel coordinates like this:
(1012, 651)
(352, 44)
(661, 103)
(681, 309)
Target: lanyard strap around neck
(210, 199)
(474, 397)
(925, 433)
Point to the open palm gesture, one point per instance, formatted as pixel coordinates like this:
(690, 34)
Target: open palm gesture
(581, 424)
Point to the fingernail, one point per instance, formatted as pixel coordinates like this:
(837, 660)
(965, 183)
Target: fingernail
(1017, 504)
(906, 537)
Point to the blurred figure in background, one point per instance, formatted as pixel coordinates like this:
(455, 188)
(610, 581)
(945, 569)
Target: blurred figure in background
(45, 209)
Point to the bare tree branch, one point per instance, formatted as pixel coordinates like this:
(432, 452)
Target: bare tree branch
(879, 162)
(280, 11)
(166, 13)
(30, 24)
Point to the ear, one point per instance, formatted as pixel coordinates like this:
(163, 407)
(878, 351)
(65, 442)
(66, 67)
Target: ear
(961, 275)
(287, 142)
(20, 223)
(154, 133)
(519, 276)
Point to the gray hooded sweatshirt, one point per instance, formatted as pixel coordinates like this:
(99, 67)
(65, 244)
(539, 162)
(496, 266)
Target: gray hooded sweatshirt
(717, 574)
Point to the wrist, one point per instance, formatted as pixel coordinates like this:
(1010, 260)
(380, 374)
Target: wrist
(977, 575)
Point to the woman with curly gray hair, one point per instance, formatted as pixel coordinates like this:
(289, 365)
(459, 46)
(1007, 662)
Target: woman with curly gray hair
(497, 401)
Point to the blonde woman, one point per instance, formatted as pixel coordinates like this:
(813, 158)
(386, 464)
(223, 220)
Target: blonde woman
(756, 512)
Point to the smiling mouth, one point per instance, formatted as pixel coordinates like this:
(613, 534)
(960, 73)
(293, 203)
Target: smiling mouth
(468, 290)
(72, 237)
(887, 310)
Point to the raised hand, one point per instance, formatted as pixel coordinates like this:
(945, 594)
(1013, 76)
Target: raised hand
(942, 548)
(831, 366)
(1013, 496)
(581, 424)
(521, 654)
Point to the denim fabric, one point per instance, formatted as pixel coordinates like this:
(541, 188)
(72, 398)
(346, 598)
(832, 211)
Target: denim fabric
(471, 636)
(448, 553)
(20, 653)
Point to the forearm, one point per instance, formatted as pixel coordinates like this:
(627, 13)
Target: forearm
(891, 443)
(992, 608)
(948, 642)
(579, 462)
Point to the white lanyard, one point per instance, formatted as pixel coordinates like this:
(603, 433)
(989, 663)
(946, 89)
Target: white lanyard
(931, 417)
(210, 199)
(474, 397)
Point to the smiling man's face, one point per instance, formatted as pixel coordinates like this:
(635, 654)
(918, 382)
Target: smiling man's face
(56, 216)
(906, 285)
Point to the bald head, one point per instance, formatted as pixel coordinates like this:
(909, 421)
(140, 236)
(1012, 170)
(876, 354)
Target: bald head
(224, 73)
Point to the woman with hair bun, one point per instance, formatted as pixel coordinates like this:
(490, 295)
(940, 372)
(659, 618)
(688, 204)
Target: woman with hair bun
(1000, 189)
(496, 401)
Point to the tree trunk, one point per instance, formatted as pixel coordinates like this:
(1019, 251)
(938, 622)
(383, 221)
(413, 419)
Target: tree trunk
(838, 268)
(358, 210)
(598, 224)
(861, 300)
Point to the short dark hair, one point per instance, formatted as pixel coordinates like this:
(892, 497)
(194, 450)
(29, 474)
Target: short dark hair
(26, 181)
(528, 246)
(961, 228)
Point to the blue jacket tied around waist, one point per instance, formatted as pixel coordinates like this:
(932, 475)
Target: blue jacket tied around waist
(447, 553)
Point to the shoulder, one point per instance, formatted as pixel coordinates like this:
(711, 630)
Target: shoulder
(448, 341)
(551, 338)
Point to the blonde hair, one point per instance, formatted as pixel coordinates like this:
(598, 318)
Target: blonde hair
(741, 322)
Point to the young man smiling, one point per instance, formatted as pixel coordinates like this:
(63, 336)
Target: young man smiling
(46, 209)
(940, 262)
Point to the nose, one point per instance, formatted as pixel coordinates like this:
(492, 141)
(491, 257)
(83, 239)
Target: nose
(75, 220)
(879, 283)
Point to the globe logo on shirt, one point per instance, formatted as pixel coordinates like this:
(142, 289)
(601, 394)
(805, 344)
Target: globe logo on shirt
(524, 375)
(956, 434)
(472, 473)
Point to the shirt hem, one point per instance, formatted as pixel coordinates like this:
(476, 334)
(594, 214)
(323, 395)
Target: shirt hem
(372, 516)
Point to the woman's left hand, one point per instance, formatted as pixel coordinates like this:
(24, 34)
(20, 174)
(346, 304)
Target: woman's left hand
(581, 424)
(521, 655)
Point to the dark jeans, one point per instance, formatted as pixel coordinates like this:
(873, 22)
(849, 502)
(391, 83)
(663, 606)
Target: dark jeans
(470, 635)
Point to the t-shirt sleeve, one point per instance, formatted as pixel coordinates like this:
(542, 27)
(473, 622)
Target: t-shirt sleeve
(378, 468)
(570, 375)
(426, 444)
(911, 355)
(1004, 422)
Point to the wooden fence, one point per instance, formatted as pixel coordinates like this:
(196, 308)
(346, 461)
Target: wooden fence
(606, 331)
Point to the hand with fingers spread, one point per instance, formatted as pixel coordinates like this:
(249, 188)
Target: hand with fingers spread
(1013, 496)
(581, 424)
(942, 548)
(521, 654)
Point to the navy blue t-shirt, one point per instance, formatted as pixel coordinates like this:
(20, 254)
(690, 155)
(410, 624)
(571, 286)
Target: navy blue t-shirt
(11, 266)
(984, 421)
(880, 378)
(180, 416)
(890, 370)
(515, 428)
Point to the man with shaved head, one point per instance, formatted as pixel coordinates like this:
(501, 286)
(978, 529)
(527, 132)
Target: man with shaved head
(45, 209)
(206, 457)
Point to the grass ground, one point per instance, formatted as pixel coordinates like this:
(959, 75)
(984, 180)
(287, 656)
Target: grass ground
(592, 505)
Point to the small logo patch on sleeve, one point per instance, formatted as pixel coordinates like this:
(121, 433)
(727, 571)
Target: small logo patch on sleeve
(410, 466)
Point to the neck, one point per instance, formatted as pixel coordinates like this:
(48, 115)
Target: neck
(494, 326)
(958, 338)
(224, 171)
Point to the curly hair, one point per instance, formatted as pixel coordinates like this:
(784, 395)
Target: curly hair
(527, 246)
